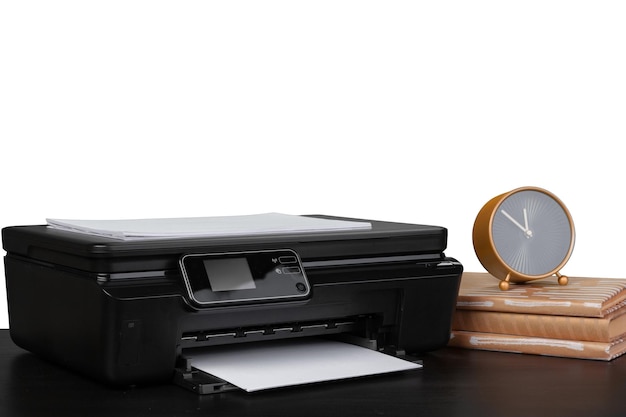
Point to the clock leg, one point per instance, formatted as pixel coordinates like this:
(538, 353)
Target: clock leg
(562, 279)
(504, 284)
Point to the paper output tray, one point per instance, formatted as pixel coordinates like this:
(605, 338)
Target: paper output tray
(203, 383)
(200, 382)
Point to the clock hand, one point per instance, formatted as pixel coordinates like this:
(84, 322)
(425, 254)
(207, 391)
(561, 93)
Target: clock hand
(526, 220)
(515, 222)
(527, 232)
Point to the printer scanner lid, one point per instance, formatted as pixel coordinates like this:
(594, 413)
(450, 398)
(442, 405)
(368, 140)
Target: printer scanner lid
(106, 255)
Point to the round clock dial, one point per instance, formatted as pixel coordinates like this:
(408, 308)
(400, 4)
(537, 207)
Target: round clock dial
(524, 234)
(531, 232)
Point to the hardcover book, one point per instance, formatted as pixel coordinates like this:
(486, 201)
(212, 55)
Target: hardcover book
(604, 351)
(582, 297)
(595, 329)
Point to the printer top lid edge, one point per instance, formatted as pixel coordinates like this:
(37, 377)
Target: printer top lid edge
(20, 239)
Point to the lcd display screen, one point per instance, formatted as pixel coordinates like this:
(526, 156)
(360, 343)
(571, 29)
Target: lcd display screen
(229, 274)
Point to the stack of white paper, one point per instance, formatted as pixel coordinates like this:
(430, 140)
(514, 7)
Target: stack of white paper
(268, 223)
(265, 365)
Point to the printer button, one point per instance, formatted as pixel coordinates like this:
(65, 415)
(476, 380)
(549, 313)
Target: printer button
(287, 260)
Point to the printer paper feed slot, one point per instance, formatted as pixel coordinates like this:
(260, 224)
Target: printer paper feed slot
(275, 364)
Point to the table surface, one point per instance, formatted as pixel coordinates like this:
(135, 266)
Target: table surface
(453, 382)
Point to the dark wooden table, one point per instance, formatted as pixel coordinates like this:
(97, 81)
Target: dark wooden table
(453, 382)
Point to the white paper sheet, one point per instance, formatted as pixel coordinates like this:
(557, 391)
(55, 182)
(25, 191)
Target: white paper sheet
(255, 224)
(266, 365)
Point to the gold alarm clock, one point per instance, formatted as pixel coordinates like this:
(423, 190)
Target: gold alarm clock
(523, 235)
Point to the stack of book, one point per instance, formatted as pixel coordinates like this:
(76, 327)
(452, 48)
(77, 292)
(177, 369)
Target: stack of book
(585, 319)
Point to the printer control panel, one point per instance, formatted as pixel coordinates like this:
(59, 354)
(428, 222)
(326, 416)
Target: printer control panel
(232, 278)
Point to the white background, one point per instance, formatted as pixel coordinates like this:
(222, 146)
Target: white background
(403, 111)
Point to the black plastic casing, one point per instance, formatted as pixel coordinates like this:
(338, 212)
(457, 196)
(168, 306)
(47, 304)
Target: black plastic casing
(118, 311)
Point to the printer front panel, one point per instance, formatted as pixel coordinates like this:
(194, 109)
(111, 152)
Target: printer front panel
(132, 329)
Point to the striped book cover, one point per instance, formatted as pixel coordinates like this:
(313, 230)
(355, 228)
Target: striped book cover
(581, 297)
(603, 351)
(593, 329)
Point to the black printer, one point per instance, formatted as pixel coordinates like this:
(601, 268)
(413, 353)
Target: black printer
(126, 312)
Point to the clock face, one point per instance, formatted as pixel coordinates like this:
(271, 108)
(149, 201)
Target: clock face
(532, 233)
